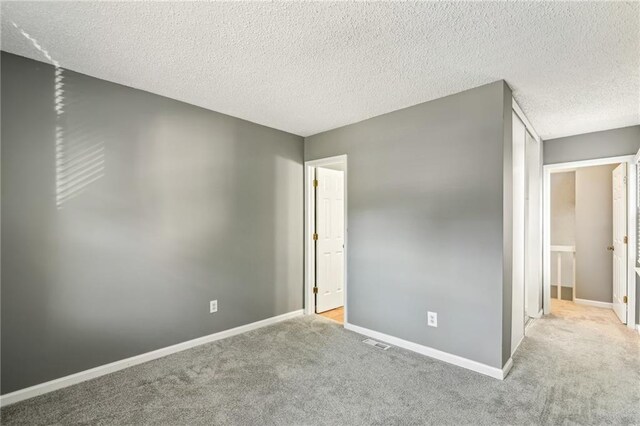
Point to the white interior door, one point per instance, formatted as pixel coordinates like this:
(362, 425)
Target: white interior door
(620, 241)
(330, 239)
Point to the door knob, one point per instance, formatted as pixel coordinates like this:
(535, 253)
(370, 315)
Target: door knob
(610, 248)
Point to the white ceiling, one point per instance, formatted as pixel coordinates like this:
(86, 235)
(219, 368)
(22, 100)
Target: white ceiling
(310, 67)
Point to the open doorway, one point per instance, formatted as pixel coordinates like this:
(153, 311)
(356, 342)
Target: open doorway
(589, 237)
(325, 238)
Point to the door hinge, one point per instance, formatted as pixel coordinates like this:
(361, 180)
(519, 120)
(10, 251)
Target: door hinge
(315, 183)
(624, 179)
(625, 239)
(315, 289)
(315, 237)
(624, 299)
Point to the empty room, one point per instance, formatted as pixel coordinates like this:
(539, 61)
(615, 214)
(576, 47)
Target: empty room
(319, 213)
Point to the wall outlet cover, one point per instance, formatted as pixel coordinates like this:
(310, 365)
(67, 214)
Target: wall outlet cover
(213, 306)
(432, 319)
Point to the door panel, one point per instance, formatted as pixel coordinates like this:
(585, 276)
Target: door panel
(619, 243)
(330, 243)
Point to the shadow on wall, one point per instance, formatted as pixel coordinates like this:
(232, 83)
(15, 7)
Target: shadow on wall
(79, 151)
(195, 206)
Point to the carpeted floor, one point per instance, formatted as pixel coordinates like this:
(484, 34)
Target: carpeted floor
(576, 368)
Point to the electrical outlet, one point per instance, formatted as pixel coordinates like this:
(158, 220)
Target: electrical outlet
(213, 306)
(432, 319)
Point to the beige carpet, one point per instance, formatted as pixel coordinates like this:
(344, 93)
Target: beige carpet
(570, 310)
(576, 366)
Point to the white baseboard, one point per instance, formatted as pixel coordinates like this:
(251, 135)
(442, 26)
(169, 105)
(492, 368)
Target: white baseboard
(478, 367)
(529, 324)
(594, 303)
(506, 368)
(532, 320)
(102, 370)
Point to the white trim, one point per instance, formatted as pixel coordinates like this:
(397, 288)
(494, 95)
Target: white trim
(478, 367)
(632, 246)
(559, 250)
(548, 169)
(309, 246)
(529, 323)
(534, 254)
(516, 108)
(505, 370)
(337, 159)
(546, 241)
(638, 328)
(519, 215)
(534, 154)
(594, 303)
(573, 165)
(102, 370)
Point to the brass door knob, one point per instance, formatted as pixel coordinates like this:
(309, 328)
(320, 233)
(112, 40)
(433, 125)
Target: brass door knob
(610, 248)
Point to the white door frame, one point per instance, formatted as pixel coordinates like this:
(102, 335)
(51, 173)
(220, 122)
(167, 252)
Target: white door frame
(631, 226)
(309, 225)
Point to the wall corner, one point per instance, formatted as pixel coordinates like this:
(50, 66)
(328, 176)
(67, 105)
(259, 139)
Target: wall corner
(507, 220)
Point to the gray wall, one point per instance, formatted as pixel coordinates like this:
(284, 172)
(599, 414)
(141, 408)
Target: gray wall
(193, 206)
(563, 225)
(594, 232)
(563, 208)
(588, 146)
(425, 221)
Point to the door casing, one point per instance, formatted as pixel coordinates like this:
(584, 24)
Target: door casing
(309, 223)
(631, 227)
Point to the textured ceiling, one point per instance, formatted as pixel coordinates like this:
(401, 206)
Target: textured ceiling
(310, 67)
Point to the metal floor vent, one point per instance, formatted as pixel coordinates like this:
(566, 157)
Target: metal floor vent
(378, 345)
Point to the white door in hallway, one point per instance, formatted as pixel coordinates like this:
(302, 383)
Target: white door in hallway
(330, 239)
(620, 241)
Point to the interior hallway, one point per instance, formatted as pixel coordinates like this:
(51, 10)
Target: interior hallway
(571, 310)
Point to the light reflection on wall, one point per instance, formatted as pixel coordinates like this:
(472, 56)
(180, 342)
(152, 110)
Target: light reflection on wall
(78, 162)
